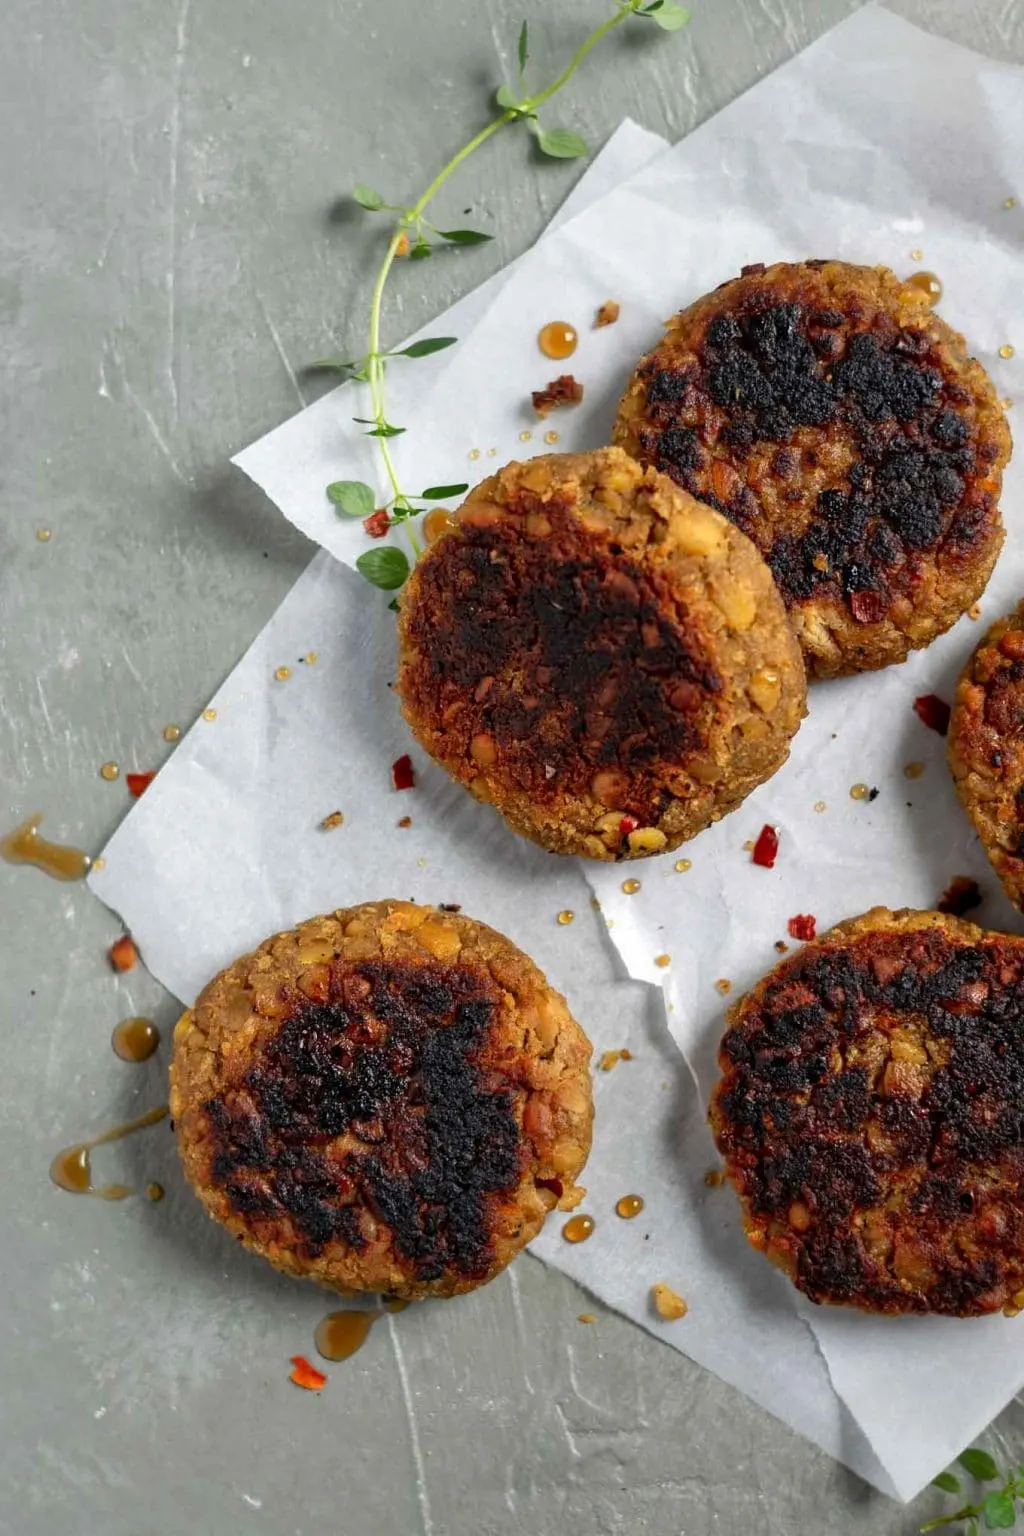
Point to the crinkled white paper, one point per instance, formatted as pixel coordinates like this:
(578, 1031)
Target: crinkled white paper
(877, 142)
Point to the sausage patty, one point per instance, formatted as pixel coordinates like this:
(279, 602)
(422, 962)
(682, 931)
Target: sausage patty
(871, 1115)
(839, 422)
(387, 1098)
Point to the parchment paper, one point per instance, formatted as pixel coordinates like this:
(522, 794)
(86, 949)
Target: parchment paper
(877, 142)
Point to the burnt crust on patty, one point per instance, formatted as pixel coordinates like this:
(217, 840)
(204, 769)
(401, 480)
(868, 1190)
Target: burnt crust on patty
(387, 1098)
(871, 1115)
(601, 658)
(986, 748)
(840, 423)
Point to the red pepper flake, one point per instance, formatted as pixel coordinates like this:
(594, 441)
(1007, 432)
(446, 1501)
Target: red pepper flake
(627, 825)
(123, 953)
(766, 847)
(803, 926)
(378, 523)
(402, 775)
(306, 1375)
(933, 712)
(138, 783)
(961, 895)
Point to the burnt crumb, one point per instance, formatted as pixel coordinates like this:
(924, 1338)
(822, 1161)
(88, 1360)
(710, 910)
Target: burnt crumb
(450, 906)
(885, 1155)
(594, 674)
(392, 1065)
(565, 390)
(961, 895)
(873, 793)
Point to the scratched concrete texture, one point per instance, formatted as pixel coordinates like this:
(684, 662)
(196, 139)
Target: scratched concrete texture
(171, 254)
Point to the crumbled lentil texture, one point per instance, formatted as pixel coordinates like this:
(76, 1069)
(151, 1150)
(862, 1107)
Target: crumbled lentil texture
(986, 748)
(597, 655)
(871, 1115)
(835, 418)
(374, 1099)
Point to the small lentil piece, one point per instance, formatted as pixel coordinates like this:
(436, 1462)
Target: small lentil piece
(668, 1304)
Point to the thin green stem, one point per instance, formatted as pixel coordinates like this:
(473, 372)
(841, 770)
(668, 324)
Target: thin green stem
(412, 218)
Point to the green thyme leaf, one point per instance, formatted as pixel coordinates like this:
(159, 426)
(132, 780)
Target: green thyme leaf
(655, 5)
(947, 1481)
(421, 249)
(524, 47)
(670, 17)
(561, 143)
(334, 365)
(385, 568)
(351, 497)
(425, 347)
(387, 430)
(979, 1464)
(442, 492)
(367, 198)
(394, 605)
(999, 1511)
(506, 98)
(464, 236)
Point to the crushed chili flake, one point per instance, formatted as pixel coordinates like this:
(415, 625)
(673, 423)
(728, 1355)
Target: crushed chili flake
(627, 825)
(565, 390)
(766, 847)
(607, 314)
(402, 775)
(306, 1375)
(803, 926)
(933, 712)
(378, 523)
(123, 953)
(138, 783)
(961, 895)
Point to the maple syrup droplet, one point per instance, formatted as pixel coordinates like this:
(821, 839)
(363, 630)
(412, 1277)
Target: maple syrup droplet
(209, 714)
(135, 1039)
(44, 535)
(551, 437)
(155, 1192)
(283, 674)
(566, 917)
(172, 732)
(578, 1228)
(630, 887)
(340, 1334)
(859, 791)
(71, 1169)
(629, 1206)
(1006, 350)
(928, 284)
(682, 865)
(437, 522)
(110, 772)
(396, 1304)
(25, 846)
(557, 339)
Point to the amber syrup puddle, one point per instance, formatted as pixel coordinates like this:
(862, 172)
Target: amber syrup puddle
(72, 1168)
(135, 1039)
(25, 846)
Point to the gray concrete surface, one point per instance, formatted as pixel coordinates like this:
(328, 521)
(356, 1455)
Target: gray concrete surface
(167, 262)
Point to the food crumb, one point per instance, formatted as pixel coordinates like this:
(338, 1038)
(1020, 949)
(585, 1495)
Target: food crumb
(819, 806)
(961, 895)
(587, 1317)
(630, 887)
(335, 819)
(714, 1178)
(402, 773)
(123, 953)
(663, 960)
(933, 712)
(974, 611)
(449, 906)
(782, 946)
(610, 1059)
(668, 1304)
(803, 926)
(723, 985)
(913, 770)
(607, 314)
(306, 1375)
(283, 674)
(565, 917)
(565, 390)
(404, 821)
